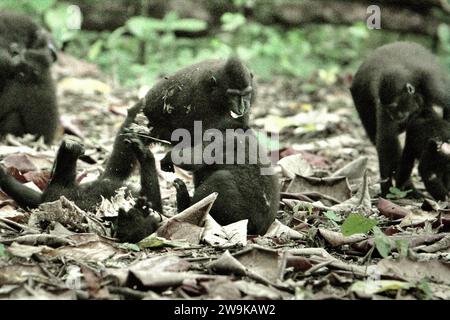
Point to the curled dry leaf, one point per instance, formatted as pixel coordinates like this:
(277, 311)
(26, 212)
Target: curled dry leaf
(415, 271)
(337, 188)
(234, 234)
(353, 170)
(295, 165)
(360, 201)
(278, 229)
(336, 239)
(391, 210)
(261, 261)
(189, 224)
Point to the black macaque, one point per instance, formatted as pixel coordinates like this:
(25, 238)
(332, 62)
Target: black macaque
(244, 192)
(27, 93)
(137, 223)
(209, 91)
(395, 82)
(126, 153)
(427, 140)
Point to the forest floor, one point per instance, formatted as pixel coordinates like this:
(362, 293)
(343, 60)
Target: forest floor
(333, 237)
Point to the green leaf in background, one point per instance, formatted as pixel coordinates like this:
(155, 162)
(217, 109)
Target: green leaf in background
(142, 27)
(402, 248)
(382, 242)
(3, 252)
(395, 193)
(190, 25)
(425, 287)
(332, 216)
(41, 6)
(356, 223)
(59, 20)
(232, 21)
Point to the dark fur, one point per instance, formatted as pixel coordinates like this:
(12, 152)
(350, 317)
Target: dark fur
(198, 92)
(137, 223)
(424, 135)
(27, 93)
(383, 79)
(87, 196)
(243, 192)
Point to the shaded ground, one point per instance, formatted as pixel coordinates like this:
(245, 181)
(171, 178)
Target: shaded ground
(405, 257)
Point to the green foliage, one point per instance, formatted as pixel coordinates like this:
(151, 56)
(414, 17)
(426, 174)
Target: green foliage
(36, 8)
(146, 48)
(382, 242)
(356, 223)
(424, 286)
(3, 253)
(63, 22)
(333, 217)
(395, 193)
(402, 248)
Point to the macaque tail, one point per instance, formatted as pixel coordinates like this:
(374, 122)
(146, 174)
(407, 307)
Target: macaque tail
(24, 196)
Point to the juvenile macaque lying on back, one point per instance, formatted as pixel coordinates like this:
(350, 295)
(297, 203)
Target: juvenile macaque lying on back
(247, 189)
(211, 91)
(124, 157)
(27, 93)
(394, 83)
(428, 140)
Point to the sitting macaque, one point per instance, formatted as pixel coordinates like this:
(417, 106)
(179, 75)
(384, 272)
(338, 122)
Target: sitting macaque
(244, 192)
(27, 93)
(394, 83)
(428, 140)
(126, 153)
(210, 91)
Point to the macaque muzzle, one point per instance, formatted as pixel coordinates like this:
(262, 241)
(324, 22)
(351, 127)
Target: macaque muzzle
(240, 101)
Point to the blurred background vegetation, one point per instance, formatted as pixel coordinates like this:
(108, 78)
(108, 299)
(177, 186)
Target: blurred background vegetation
(136, 41)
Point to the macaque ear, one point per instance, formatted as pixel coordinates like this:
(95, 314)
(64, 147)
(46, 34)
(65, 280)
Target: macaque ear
(213, 81)
(251, 75)
(410, 88)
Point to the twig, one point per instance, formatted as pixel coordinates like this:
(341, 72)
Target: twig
(317, 267)
(19, 226)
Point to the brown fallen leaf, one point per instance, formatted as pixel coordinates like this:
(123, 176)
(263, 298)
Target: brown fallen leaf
(391, 210)
(336, 239)
(440, 245)
(21, 162)
(415, 271)
(412, 240)
(336, 188)
(262, 261)
(95, 251)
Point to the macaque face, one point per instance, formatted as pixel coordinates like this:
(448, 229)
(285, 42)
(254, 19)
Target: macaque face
(239, 101)
(405, 102)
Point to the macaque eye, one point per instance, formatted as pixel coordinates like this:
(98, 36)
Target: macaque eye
(410, 88)
(237, 92)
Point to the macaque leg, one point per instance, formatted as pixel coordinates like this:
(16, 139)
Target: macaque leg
(183, 198)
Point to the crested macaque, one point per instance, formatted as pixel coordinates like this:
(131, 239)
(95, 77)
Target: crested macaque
(211, 91)
(27, 93)
(394, 83)
(428, 141)
(244, 192)
(126, 153)
(137, 223)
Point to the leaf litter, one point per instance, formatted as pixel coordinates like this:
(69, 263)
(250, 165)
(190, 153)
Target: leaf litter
(333, 238)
